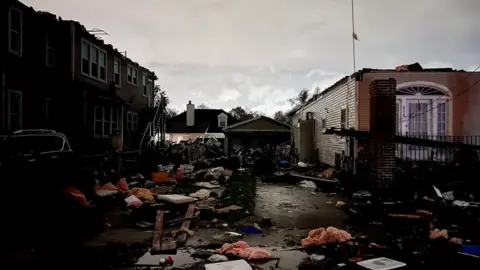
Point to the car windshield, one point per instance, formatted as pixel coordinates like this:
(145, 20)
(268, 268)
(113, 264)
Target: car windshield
(35, 144)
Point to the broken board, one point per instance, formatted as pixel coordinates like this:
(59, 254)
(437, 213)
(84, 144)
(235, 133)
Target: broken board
(175, 198)
(182, 236)
(158, 233)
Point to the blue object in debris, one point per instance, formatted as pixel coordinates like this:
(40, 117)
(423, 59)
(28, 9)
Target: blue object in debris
(471, 249)
(252, 229)
(283, 162)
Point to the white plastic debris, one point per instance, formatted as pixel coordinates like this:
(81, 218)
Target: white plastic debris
(448, 195)
(381, 264)
(206, 185)
(461, 203)
(132, 200)
(302, 164)
(200, 194)
(217, 258)
(231, 265)
(307, 184)
(175, 198)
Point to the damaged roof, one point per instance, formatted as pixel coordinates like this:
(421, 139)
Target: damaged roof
(415, 67)
(204, 118)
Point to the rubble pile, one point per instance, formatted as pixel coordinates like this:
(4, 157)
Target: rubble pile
(204, 215)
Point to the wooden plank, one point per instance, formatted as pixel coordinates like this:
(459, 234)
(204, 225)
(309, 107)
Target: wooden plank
(314, 178)
(182, 238)
(158, 232)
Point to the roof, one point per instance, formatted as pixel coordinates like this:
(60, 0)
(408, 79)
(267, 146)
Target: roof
(255, 119)
(204, 118)
(415, 67)
(251, 125)
(46, 14)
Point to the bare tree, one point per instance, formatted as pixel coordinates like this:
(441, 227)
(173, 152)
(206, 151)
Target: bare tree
(281, 117)
(203, 106)
(171, 113)
(301, 98)
(242, 114)
(158, 93)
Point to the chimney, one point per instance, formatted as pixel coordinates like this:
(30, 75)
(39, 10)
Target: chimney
(190, 114)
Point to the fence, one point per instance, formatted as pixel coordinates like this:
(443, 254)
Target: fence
(443, 149)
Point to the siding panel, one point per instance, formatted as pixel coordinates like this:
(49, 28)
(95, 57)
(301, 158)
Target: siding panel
(329, 106)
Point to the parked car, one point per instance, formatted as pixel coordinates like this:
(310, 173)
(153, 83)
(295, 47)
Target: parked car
(30, 152)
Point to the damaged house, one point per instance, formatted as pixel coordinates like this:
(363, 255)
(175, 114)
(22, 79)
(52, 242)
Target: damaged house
(256, 133)
(437, 103)
(194, 123)
(59, 75)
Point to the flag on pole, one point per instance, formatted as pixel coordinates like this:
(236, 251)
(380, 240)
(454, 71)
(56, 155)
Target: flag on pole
(355, 37)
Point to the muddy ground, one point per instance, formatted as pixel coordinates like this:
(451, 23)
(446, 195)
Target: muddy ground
(292, 210)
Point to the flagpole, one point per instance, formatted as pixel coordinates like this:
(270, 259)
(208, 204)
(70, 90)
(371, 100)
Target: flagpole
(354, 36)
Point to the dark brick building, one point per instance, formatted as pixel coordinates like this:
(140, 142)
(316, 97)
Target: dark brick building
(59, 76)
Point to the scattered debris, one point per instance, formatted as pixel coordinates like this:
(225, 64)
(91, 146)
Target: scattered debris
(229, 208)
(381, 264)
(217, 258)
(237, 265)
(200, 194)
(206, 185)
(307, 184)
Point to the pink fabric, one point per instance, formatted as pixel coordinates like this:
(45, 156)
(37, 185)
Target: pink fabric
(122, 185)
(242, 250)
(328, 235)
(179, 174)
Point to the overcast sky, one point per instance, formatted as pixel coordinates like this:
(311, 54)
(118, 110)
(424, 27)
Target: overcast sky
(258, 53)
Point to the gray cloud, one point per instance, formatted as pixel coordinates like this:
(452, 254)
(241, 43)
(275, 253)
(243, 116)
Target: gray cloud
(258, 53)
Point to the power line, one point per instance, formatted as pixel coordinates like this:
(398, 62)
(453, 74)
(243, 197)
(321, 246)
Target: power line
(458, 94)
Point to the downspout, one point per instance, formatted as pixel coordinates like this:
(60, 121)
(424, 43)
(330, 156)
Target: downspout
(3, 107)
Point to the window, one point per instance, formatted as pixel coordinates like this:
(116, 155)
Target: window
(441, 119)
(343, 118)
(397, 117)
(422, 109)
(324, 123)
(144, 84)
(116, 72)
(132, 75)
(15, 31)
(222, 120)
(106, 120)
(85, 58)
(50, 51)
(151, 95)
(94, 62)
(14, 110)
(102, 66)
(418, 123)
(132, 121)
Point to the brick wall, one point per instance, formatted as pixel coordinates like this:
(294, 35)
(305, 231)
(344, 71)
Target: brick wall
(382, 132)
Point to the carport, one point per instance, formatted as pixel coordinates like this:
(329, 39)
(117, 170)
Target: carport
(255, 133)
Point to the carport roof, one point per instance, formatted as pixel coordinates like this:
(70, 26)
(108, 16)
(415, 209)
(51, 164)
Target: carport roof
(282, 127)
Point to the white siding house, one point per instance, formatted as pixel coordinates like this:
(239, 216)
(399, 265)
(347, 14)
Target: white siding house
(335, 107)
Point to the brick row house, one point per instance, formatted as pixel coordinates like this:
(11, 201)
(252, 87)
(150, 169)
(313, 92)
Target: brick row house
(57, 75)
(437, 103)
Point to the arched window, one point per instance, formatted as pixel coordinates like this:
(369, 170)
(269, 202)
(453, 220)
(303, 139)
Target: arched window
(422, 108)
